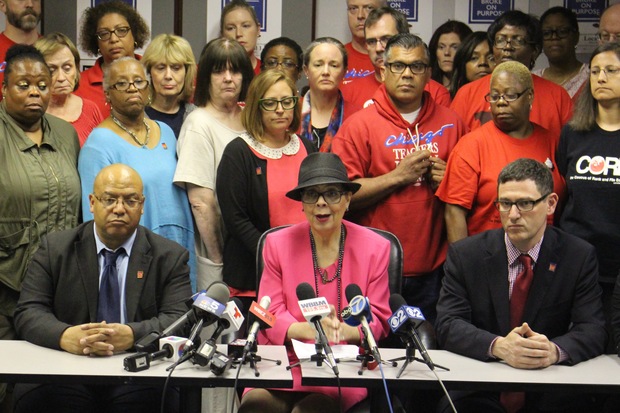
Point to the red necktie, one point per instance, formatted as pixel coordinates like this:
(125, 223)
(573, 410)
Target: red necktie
(514, 401)
(520, 290)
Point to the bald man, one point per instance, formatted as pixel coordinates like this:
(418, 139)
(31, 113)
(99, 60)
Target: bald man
(62, 304)
(609, 26)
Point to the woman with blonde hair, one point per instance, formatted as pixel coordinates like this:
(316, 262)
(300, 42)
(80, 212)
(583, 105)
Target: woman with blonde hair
(63, 59)
(256, 171)
(170, 62)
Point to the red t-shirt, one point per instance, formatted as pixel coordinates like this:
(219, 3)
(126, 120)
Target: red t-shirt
(475, 163)
(88, 120)
(551, 109)
(359, 66)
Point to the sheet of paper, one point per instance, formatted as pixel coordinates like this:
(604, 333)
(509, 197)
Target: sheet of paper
(341, 351)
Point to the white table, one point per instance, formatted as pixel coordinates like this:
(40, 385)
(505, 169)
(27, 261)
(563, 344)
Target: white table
(24, 362)
(601, 374)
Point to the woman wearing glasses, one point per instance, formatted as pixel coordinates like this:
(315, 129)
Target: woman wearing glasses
(256, 170)
(469, 187)
(129, 137)
(588, 159)
(515, 36)
(113, 30)
(324, 109)
(560, 32)
(329, 254)
(284, 54)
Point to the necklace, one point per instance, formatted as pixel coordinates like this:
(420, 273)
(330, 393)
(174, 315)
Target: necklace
(133, 135)
(323, 275)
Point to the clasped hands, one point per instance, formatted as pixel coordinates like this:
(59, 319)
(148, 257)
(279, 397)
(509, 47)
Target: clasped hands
(524, 348)
(97, 339)
(421, 162)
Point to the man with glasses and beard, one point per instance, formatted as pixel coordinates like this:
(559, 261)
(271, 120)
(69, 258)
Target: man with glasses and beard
(22, 19)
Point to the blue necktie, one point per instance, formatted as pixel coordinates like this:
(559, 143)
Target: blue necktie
(109, 306)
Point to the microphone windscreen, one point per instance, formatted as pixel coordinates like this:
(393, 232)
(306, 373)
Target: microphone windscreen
(396, 301)
(352, 290)
(239, 304)
(219, 292)
(305, 292)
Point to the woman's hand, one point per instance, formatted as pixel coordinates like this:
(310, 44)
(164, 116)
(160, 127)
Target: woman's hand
(333, 326)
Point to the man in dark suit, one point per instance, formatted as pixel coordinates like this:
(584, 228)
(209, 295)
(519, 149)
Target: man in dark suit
(478, 311)
(62, 305)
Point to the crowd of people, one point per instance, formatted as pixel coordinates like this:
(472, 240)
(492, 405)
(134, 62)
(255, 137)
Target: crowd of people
(495, 177)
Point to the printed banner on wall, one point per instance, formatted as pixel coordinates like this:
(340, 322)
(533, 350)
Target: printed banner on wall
(485, 11)
(260, 7)
(407, 7)
(587, 10)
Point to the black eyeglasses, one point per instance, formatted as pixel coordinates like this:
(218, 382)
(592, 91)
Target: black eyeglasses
(123, 85)
(310, 196)
(273, 63)
(561, 33)
(522, 205)
(111, 202)
(271, 105)
(508, 97)
(517, 42)
(120, 32)
(372, 42)
(417, 68)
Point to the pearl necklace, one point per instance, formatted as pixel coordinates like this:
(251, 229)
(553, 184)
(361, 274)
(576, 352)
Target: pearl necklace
(323, 275)
(133, 135)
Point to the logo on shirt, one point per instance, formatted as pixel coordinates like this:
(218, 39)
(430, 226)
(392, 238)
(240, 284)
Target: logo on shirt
(353, 74)
(598, 165)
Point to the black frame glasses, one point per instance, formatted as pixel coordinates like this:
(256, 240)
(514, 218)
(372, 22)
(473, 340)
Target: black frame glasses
(120, 32)
(273, 63)
(523, 205)
(561, 33)
(516, 42)
(271, 105)
(508, 97)
(111, 201)
(331, 196)
(123, 85)
(417, 68)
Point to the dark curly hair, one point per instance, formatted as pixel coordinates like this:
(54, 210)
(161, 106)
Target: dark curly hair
(92, 15)
(20, 52)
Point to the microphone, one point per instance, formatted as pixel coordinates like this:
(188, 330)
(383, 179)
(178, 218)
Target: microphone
(149, 343)
(360, 311)
(405, 321)
(263, 319)
(313, 310)
(230, 320)
(208, 309)
(171, 349)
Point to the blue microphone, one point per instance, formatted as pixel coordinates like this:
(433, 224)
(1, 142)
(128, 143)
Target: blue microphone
(360, 312)
(404, 322)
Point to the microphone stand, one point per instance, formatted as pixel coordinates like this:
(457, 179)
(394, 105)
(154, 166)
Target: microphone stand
(253, 358)
(369, 362)
(410, 358)
(318, 357)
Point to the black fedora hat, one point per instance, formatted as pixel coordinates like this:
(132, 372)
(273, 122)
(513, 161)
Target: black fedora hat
(321, 168)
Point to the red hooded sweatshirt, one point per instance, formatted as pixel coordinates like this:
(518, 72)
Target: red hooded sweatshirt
(371, 143)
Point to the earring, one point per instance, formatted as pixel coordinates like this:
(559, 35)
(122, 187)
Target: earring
(135, 45)
(98, 51)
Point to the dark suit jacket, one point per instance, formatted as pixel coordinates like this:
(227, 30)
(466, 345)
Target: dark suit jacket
(61, 286)
(564, 301)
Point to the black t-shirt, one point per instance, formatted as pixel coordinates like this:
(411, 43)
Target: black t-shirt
(590, 163)
(174, 120)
